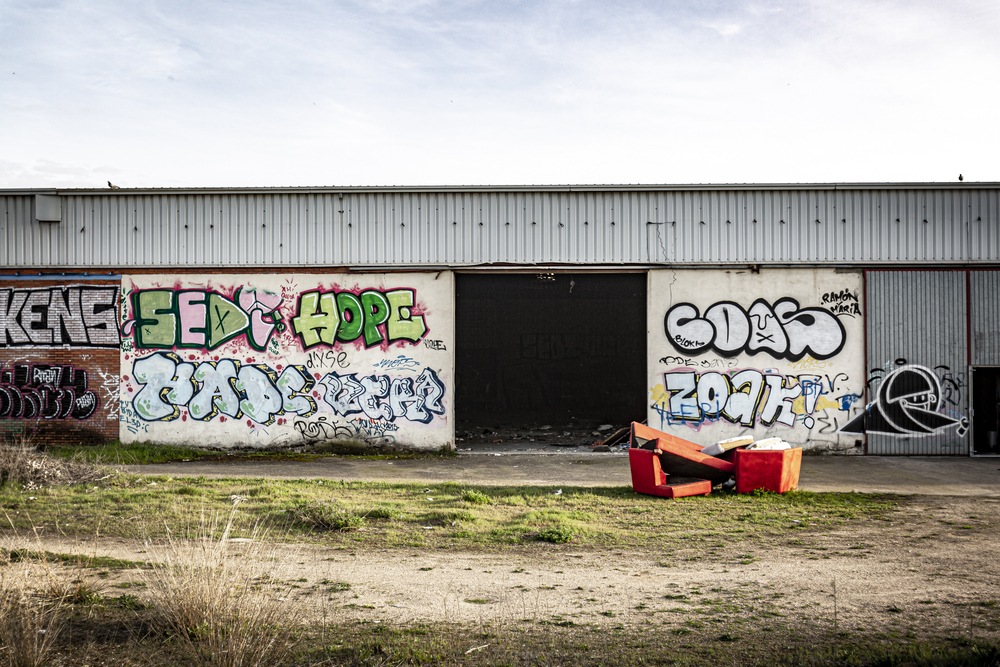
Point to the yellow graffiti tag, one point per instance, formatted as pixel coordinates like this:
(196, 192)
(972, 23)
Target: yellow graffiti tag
(822, 403)
(660, 396)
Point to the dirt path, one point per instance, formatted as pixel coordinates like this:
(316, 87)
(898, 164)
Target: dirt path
(948, 476)
(934, 566)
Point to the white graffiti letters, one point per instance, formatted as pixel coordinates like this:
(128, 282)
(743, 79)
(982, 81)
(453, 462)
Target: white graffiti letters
(379, 397)
(783, 331)
(736, 399)
(218, 393)
(167, 384)
(778, 406)
(78, 316)
(745, 399)
(219, 389)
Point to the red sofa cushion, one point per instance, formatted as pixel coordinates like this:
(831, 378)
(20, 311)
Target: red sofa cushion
(648, 477)
(680, 457)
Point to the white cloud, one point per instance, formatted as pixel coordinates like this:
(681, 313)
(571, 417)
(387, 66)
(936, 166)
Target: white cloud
(727, 29)
(428, 91)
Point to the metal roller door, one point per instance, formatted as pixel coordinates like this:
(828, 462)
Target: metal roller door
(984, 381)
(918, 363)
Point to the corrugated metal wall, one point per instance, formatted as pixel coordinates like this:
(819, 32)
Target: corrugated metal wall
(469, 227)
(984, 300)
(918, 319)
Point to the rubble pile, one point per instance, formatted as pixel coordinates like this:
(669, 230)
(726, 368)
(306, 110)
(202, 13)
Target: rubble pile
(669, 466)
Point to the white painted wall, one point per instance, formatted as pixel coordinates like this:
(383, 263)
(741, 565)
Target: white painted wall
(253, 360)
(730, 354)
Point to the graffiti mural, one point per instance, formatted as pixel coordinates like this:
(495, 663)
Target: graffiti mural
(283, 359)
(42, 391)
(201, 319)
(749, 397)
(67, 315)
(710, 329)
(223, 389)
(379, 397)
(783, 330)
(910, 402)
(374, 316)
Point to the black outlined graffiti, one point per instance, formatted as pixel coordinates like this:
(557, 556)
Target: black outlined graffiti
(671, 360)
(73, 315)
(908, 404)
(40, 391)
(359, 430)
(844, 302)
(783, 331)
(382, 397)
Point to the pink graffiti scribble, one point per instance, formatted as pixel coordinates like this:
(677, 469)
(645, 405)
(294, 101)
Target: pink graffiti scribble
(260, 305)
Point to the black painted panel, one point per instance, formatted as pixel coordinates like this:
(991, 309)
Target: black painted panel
(543, 349)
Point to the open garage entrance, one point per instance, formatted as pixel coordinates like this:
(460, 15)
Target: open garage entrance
(560, 350)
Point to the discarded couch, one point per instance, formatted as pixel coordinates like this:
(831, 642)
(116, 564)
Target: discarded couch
(671, 467)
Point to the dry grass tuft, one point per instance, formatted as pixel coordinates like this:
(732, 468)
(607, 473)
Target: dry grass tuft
(29, 625)
(22, 464)
(211, 593)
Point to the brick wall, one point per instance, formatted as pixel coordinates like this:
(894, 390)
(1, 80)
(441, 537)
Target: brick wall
(63, 391)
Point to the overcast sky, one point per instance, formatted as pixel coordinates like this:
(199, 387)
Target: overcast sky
(421, 92)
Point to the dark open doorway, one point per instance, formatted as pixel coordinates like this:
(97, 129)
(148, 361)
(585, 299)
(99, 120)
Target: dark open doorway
(985, 410)
(566, 350)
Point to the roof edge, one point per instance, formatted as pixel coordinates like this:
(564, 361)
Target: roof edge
(638, 187)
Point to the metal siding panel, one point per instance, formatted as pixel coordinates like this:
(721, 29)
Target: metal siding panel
(984, 299)
(918, 317)
(269, 229)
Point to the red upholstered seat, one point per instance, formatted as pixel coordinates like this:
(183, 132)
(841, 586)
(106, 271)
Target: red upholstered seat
(648, 477)
(680, 457)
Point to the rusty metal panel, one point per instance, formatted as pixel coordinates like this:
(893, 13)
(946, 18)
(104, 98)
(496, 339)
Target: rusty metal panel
(917, 359)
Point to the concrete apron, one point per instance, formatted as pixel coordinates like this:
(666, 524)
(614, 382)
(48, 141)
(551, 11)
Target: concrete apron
(945, 476)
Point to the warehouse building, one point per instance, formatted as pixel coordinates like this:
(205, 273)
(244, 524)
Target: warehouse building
(857, 318)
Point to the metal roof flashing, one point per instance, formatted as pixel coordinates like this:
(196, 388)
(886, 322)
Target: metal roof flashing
(637, 187)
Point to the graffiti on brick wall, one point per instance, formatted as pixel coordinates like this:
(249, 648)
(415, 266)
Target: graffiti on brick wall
(751, 398)
(380, 397)
(218, 389)
(202, 319)
(67, 315)
(912, 401)
(374, 317)
(111, 387)
(783, 330)
(42, 391)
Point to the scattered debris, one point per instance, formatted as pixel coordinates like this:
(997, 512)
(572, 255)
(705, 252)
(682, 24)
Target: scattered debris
(476, 648)
(669, 466)
(34, 469)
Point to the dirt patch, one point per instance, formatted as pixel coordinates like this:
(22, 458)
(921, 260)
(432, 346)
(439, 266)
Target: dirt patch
(535, 435)
(930, 567)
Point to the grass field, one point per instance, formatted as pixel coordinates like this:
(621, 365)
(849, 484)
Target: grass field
(393, 515)
(199, 587)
